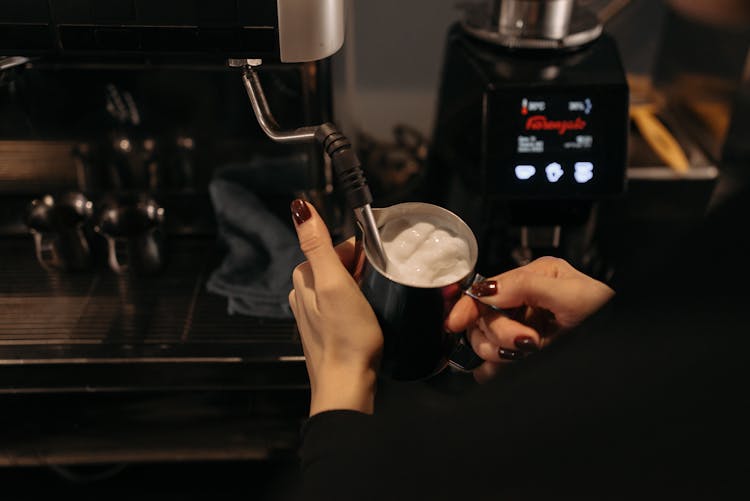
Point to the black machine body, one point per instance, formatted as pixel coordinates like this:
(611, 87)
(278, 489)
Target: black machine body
(526, 141)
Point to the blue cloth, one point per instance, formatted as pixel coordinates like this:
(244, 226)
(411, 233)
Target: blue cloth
(262, 251)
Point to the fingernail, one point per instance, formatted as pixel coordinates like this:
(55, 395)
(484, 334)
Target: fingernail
(485, 288)
(510, 354)
(300, 211)
(526, 343)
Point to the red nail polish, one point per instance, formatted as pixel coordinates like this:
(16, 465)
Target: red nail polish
(525, 343)
(510, 354)
(300, 211)
(485, 288)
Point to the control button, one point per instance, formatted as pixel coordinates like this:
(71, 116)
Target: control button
(554, 172)
(584, 171)
(524, 172)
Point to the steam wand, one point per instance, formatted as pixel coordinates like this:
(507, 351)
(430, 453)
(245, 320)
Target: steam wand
(345, 162)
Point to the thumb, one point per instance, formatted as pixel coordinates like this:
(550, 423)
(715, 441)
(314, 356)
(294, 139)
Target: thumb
(315, 241)
(463, 314)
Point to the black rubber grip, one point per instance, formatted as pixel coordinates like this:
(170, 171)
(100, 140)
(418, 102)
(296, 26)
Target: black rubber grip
(346, 164)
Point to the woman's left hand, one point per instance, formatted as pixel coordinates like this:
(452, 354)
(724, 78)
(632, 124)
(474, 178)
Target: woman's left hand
(538, 301)
(341, 337)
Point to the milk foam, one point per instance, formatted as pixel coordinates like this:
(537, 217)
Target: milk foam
(421, 253)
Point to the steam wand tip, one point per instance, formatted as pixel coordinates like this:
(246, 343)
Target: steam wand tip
(373, 242)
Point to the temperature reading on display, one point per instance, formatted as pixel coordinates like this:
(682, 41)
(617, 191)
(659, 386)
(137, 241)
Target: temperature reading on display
(556, 143)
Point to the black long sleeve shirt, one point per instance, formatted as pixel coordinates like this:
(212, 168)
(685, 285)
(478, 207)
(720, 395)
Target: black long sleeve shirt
(651, 397)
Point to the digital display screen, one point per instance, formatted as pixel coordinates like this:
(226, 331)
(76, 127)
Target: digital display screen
(560, 144)
(550, 126)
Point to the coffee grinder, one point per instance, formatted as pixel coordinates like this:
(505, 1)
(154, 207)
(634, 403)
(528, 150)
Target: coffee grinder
(531, 130)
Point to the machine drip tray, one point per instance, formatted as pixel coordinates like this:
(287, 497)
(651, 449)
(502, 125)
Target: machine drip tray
(97, 368)
(98, 331)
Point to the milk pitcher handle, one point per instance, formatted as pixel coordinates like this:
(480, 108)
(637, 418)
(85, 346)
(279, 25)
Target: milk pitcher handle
(463, 357)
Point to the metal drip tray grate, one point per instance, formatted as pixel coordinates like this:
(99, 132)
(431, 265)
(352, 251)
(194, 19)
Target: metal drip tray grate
(98, 330)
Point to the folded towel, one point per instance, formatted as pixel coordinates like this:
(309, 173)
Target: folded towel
(262, 251)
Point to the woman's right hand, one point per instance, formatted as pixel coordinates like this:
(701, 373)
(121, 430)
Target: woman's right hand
(539, 301)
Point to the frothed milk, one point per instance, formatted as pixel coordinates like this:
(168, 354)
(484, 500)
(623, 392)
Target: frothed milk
(422, 253)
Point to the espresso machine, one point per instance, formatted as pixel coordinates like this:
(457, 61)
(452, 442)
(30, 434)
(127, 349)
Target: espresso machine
(531, 129)
(147, 97)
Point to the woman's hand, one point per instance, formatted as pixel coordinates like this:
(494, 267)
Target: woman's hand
(341, 337)
(540, 300)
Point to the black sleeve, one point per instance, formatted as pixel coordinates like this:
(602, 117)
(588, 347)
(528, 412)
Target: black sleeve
(345, 452)
(330, 455)
(627, 400)
(347, 455)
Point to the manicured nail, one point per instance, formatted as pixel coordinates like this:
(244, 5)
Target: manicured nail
(510, 354)
(300, 211)
(526, 343)
(485, 288)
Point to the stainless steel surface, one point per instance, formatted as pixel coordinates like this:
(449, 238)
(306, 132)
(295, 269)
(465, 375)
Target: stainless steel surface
(98, 331)
(606, 10)
(37, 166)
(290, 31)
(57, 226)
(448, 219)
(664, 173)
(262, 111)
(309, 30)
(373, 242)
(416, 345)
(534, 18)
(533, 24)
(303, 134)
(12, 61)
(133, 229)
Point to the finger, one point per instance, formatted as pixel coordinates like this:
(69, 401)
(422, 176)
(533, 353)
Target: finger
(508, 333)
(520, 287)
(544, 322)
(315, 242)
(488, 349)
(347, 253)
(464, 313)
(482, 346)
(550, 266)
(293, 302)
(486, 371)
(302, 280)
